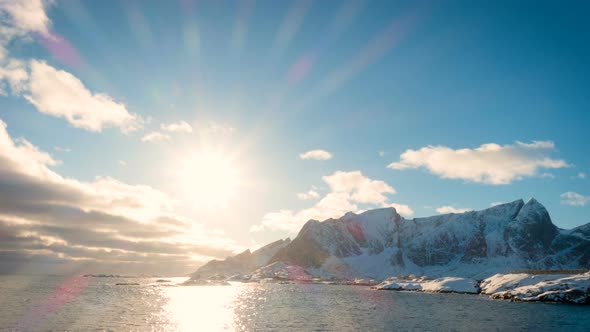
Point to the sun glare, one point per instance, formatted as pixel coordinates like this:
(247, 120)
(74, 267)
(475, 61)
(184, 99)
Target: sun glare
(208, 177)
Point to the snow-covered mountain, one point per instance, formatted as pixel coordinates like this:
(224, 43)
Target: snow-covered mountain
(242, 263)
(380, 243)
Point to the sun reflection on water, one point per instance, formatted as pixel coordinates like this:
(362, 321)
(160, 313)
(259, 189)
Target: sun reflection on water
(202, 308)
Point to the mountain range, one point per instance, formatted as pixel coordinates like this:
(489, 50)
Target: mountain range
(380, 243)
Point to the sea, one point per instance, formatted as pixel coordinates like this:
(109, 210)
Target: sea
(82, 303)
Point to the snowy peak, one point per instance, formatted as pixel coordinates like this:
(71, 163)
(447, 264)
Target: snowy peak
(507, 210)
(532, 231)
(348, 235)
(388, 213)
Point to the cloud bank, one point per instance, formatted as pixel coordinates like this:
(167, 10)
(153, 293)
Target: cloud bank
(101, 225)
(490, 163)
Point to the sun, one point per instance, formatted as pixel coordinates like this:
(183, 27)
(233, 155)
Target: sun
(208, 177)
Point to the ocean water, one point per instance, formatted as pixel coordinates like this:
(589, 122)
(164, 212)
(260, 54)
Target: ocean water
(42, 303)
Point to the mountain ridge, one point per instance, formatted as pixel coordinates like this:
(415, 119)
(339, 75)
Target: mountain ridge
(380, 243)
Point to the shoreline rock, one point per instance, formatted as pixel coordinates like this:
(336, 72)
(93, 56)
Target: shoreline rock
(423, 284)
(562, 288)
(522, 287)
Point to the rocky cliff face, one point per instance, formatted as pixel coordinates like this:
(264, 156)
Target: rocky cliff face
(380, 243)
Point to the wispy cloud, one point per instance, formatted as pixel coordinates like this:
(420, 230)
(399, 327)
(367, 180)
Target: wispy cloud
(14, 76)
(155, 136)
(451, 209)
(177, 127)
(403, 209)
(62, 149)
(215, 128)
(316, 155)
(574, 199)
(490, 163)
(311, 194)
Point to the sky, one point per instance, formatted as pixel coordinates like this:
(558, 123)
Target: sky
(153, 136)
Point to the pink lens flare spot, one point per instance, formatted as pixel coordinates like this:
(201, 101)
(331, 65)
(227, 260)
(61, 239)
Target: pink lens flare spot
(357, 232)
(297, 272)
(61, 295)
(61, 49)
(300, 68)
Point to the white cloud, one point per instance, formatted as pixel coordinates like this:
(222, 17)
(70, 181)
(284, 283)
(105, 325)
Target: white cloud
(61, 94)
(382, 153)
(13, 75)
(178, 127)
(311, 194)
(490, 163)
(18, 19)
(316, 155)
(548, 176)
(330, 206)
(582, 175)
(25, 15)
(402, 209)
(214, 128)
(122, 163)
(347, 190)
(155, 136)
(54, 92)
(574, 199)
(451, 209)
(360, 188)
(62, 149)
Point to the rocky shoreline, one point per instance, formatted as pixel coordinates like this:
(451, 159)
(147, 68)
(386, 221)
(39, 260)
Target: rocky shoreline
(523, 287)
(545, 286)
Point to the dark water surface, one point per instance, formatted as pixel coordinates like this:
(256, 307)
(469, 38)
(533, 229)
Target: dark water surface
(97, 304)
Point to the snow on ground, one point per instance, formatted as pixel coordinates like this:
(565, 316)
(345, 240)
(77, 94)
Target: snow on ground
(539, 287)
(440, 285)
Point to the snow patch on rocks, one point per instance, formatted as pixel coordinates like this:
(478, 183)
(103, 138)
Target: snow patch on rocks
(423, 284)
(539, 287)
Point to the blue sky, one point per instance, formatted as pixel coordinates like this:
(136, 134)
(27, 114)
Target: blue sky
(253, 85)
